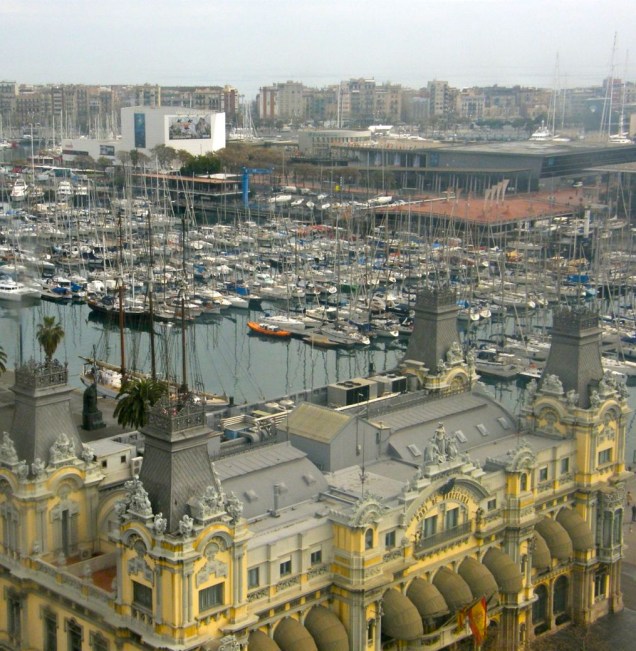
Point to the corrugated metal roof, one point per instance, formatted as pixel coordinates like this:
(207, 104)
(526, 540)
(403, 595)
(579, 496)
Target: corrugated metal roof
(257, 459)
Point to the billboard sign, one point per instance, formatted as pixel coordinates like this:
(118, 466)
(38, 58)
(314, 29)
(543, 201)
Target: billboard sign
(106, 150)
(140, 130)
(189, 127)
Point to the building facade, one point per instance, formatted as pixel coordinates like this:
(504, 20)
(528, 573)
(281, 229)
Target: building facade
(406, 510)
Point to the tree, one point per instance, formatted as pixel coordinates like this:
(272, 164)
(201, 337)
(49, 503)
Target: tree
(103, 162)
(49, 335)
(124, 157)
(165, 155)
(135, 399)
(85, 162)
(204, 164)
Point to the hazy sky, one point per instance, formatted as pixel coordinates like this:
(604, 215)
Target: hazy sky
(250, 43)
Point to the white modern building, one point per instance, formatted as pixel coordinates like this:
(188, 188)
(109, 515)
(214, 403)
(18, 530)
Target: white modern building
(197, 132)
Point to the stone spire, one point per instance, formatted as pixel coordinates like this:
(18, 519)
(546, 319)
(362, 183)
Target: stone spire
(575, 353)
(176, 465)
(42, 415)
(435, 328)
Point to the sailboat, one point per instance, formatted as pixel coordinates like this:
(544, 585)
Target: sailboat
(109, 378)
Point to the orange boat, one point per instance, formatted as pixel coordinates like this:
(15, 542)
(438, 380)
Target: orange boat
(267, 329)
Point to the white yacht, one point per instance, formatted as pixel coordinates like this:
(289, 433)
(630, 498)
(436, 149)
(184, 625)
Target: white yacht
(17, 292)
(19, 190)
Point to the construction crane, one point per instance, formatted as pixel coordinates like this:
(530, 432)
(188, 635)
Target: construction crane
(247, 171)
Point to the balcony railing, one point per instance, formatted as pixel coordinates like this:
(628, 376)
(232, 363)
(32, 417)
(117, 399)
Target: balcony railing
(424, 544)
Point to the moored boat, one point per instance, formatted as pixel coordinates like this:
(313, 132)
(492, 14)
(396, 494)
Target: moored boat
(268, 329)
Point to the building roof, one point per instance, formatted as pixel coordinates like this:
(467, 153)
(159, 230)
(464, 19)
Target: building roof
(317, 423)
(270, 478)
(475, 420)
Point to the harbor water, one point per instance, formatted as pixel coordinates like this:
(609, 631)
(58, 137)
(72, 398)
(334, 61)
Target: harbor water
(223, 357)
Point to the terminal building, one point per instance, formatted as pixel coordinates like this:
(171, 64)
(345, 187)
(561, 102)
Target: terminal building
(405, 510)
(476, 167)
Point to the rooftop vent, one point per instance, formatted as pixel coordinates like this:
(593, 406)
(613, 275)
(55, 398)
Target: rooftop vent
(482, 429)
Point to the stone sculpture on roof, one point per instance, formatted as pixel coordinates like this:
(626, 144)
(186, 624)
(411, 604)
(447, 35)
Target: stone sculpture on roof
(441, 447)
(7, 449)
(62, 449)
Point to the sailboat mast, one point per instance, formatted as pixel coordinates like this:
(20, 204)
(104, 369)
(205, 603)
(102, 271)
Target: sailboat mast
(121, 288)
(151, 308)
(183, 291)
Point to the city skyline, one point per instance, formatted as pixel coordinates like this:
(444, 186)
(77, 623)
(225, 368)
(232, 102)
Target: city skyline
(248, 45)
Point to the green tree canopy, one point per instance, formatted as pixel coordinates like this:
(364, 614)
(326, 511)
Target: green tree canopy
(204, 164)
(49, 335)
(135, 399)
(165, 155)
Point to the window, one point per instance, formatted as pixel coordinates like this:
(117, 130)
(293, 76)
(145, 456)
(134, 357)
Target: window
(98, 642)
(142, 596)
(74, 631)
(104, 463)
(123, 458)
(316, 557)
(604, 456)
(50, 631)
(600, 581)
(452, 518)
(430, 526)
(524, 482)
(253, 578)
(565, 465)
(389, 539)
(14, 611)
(286, 567)
(543, 473)
(368, 539)
(560, 597)
(492, 505)
(211, 597)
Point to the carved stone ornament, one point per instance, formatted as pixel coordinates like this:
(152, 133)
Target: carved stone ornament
(37, 468)
(520, 458)
(213, 566)
(234, 507)
(210, 504)
(552, 384)
(367, 510)
(62, 450)
(595, 399)
(186, 525)
(441, 366)
(441, 448)
(229, 643)
(87, 455)
(160, 524)
(22, 470)
(8, 454)
(454, 354)
(572, 398)
(137, 498)
(531, 390)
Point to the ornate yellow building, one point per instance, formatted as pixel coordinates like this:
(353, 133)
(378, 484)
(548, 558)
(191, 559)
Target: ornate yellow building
(379, 513)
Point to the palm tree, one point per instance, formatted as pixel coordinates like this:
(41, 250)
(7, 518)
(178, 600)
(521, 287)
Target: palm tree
(134, 400)
(49, 335)
(3, 360)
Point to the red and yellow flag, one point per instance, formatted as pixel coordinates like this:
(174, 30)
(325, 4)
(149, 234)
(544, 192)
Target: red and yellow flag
(478, 619)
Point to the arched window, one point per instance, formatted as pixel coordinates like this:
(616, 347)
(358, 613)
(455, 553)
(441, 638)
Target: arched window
(560, 599)
(524, 482)
(540, 609)
(368, 539)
